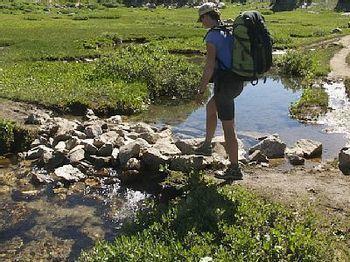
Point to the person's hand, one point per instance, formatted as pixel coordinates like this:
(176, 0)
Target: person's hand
(200, 97)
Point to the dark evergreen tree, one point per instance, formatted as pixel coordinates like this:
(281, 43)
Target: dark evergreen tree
(284, 5)
(343, 5)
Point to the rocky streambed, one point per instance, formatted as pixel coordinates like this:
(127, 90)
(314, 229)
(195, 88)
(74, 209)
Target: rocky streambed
(81, 179)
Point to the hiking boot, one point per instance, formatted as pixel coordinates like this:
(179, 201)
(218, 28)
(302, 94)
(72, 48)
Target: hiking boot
(232, 173)
(205, 149)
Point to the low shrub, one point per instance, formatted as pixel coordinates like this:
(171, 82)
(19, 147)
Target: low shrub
(212, 223)
(13, 138)
(168, 77)
(296, 63)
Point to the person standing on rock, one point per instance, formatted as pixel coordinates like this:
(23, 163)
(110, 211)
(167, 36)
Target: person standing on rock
(219, 44)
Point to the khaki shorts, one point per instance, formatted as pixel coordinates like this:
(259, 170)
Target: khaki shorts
(226, 88)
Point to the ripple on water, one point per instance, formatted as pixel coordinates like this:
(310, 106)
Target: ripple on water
(337, 119)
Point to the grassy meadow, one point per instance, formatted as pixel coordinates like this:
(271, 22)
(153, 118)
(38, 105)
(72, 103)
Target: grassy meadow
(56, 56)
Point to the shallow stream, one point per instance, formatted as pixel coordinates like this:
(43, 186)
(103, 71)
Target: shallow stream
(44, 223)
(263, 109)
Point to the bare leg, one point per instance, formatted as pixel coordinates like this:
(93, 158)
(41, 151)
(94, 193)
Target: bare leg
(231, 141)
(211, 120)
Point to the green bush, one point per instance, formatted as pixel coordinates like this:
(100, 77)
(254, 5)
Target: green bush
(167, 76)
(296, 63)
(222, 224)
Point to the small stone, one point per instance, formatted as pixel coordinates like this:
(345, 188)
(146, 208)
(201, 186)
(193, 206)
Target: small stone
(100, 161)
(295, 159)
(152, 159)
(93, 131)
(69, 173)
(344, 160)
(258, 157)
(76, 154)
(61, 146)
(133, 164)
(89, 146)
(114, 157)
(117, 119)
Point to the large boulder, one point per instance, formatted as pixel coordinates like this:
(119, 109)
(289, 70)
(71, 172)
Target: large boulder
(258, 157)
(272, 147)
(344, 160)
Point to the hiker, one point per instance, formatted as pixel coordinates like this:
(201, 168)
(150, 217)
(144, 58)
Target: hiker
(219, 43)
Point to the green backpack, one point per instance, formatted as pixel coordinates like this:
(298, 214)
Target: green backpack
(252, 46)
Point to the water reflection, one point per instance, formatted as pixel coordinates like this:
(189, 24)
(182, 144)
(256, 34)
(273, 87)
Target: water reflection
(263, 108)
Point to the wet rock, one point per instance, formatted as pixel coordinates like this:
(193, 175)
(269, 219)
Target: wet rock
(93, 131)
(344, 160)
(129, 176)
(152, 159)
(188, 162)
(258, 157)
(41, 177)
(272, 147)
(295, 159)
(69, 173)
(57, 159)
(89, 146)
(92, 182)
(100, 161)
(85, 167)
(309, 147)
(77, 154)
(105, 150)
(133, 164)
(38, 152)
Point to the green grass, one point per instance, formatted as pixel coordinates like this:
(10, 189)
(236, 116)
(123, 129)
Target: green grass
(33, 37)
(223, 223)
(313, 102)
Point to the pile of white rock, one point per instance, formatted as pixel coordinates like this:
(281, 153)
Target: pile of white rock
(70, 150)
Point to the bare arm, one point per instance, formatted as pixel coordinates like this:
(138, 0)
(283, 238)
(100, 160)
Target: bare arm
(208, 68)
